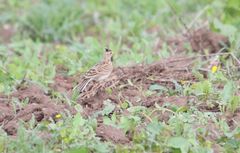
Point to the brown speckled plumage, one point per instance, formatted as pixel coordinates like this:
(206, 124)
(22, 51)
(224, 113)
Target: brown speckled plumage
(98, 72)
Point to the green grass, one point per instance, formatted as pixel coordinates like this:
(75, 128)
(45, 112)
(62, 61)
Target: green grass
(73, 33)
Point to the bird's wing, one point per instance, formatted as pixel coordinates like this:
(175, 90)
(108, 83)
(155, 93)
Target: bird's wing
(94, 71)
(83, 84)
(87, 77)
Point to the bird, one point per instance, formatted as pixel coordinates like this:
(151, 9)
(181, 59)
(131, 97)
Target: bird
(99, 72)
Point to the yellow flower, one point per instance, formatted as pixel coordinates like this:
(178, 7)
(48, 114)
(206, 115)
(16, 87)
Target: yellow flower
(66, 139)
(214, 69)
(60, 47)
(182, 82)
(58, 116)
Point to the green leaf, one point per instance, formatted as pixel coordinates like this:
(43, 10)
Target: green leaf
(228, 92)
(154, 128)
(128, 123)
(109, 107)
(157, 87)
(135, 109)
(101, 148)
(180, 143)
(78, 120)
(2, 144)
(124, 105)
(108, 90)
(182, 109)
(234, 103)
(77, 150)
(108, 121)
(225, 29)
(202, 88)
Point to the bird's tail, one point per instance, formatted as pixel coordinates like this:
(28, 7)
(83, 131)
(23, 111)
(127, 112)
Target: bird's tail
(83, 85)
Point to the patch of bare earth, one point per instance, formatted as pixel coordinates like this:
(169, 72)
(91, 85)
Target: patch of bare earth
(6, 32)
(126, 87)
(198, 40)
(39, 105)
(107, 132)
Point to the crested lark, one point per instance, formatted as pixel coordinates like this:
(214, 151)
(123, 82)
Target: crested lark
(99, 72)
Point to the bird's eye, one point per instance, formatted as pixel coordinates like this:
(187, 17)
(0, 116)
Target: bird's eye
(107, 50)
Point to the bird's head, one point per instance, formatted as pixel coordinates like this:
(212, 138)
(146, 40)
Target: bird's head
(108, 55)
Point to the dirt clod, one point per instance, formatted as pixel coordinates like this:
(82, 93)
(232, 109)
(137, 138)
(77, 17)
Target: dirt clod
(107, 132)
